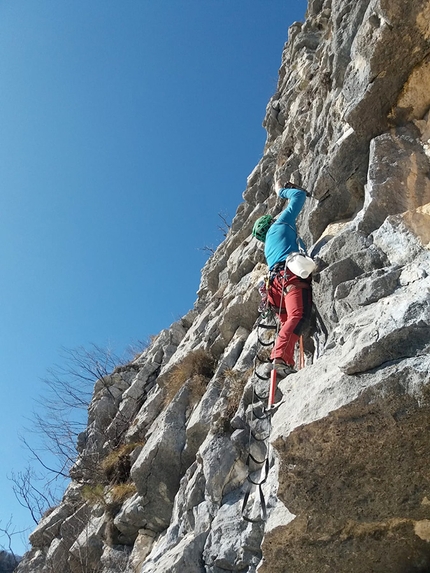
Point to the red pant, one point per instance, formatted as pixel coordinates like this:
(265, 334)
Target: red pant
(291, 299)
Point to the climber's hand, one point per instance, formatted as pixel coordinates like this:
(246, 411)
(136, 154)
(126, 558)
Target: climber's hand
(290, 185)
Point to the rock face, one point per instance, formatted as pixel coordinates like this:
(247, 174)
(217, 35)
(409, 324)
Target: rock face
(346, 483)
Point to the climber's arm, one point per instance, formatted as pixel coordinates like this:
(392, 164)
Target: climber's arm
(296, 199)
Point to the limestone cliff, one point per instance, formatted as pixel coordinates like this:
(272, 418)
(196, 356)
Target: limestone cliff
(162, 469)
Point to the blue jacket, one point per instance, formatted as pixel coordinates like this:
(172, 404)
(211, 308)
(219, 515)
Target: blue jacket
(282, 238)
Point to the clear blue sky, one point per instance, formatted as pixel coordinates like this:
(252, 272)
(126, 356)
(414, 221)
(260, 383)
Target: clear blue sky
(126, 126)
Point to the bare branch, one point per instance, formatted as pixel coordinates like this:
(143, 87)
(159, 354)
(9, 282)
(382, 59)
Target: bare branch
(31, 497)
(60, 417)
(225, 227)
(10, 532)
(210, 250)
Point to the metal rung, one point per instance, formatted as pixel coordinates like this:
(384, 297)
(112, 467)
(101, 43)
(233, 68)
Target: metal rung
(260, 376)
(262, 399)
(263, 417)
(268, 326)
(263, 510)
(260, 439)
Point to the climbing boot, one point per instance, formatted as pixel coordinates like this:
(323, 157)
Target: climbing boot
(283, 369)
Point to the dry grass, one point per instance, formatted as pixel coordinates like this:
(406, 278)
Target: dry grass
(197, 366)
(94, 494)
(236, 382)
(116, 465)
(233, 390)
(110, 497)
(120, 492)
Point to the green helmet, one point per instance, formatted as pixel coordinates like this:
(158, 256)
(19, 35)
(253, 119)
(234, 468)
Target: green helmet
(261, 226)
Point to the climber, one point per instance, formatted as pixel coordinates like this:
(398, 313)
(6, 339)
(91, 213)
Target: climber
(288, 294)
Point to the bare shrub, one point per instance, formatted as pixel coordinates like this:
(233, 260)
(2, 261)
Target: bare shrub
(59, 428)
(8, 559)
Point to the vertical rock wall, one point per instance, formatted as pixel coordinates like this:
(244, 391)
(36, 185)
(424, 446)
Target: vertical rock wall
(348, 485)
